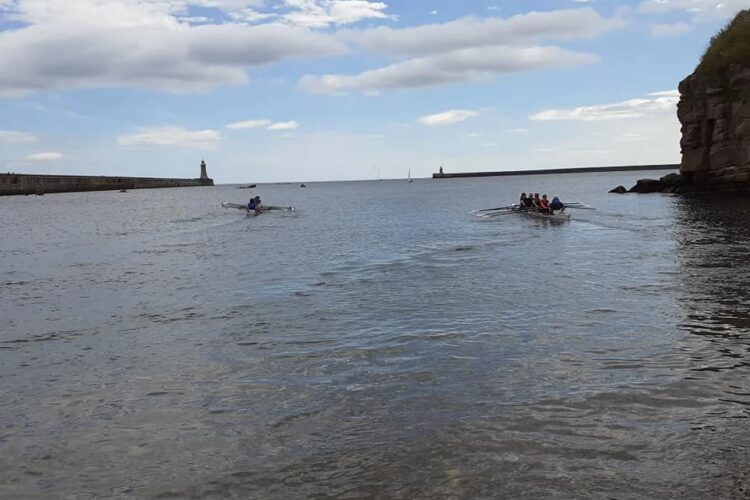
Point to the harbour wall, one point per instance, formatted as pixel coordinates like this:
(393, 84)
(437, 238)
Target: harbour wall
(16, 184)
(576, 170)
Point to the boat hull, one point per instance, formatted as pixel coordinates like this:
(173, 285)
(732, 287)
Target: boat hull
(266, 208)
(559, 216)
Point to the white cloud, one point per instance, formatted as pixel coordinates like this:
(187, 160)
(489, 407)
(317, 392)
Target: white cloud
(290, 125)
(14, 137)
(663, 30)
(633, 108)
(666, 93)
(467, 49)
(267, 124)
(448, 117)
(140, 43)
(518, 130)
(249, 124)
(699, 9)
(250, 16)
(457, 66)
(47, 156)
(324, 13)
(171, 136)
(525, 29)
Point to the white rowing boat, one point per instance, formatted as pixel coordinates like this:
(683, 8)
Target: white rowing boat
(530, 212)
(264, 209)
(515, 209)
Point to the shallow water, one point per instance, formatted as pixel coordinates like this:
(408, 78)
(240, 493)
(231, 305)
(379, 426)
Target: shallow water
(378, 342)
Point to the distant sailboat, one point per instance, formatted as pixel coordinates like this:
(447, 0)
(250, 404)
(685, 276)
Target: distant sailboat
(410, 181)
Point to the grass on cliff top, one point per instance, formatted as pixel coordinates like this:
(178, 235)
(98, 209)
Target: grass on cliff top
(729, 46)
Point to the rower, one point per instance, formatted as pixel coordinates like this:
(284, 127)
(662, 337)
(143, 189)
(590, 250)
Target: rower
(536, 202)
(529, 201)
(556, 205)
(522, 201)
(544, 205)
(258, 205)
(251, 204)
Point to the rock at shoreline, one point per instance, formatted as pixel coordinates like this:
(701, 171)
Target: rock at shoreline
(670, 183)
(647, 186)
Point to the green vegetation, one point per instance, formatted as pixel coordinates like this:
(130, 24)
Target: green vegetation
(729, 46)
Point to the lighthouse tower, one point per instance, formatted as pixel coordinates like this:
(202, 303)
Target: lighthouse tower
(205, 179)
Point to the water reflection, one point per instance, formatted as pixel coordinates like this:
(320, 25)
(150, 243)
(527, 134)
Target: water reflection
(713, 238)
(714, 254)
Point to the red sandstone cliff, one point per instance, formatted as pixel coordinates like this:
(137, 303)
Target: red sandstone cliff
(714, 111)
(716, 127)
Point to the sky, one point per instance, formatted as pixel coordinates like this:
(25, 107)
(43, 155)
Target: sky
(319, 90)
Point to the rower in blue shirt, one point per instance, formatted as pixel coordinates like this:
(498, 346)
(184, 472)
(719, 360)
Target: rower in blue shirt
(251, 205)
(556, 204)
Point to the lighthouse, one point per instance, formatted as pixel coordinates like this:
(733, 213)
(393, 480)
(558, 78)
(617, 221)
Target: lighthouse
(204, 178)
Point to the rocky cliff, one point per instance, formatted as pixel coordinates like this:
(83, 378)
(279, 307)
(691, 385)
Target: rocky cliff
(714, 111)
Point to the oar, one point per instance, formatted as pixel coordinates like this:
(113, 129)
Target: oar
(497, 210)
(580, 207)
(493, 209)
(497, 214)
(482, 214)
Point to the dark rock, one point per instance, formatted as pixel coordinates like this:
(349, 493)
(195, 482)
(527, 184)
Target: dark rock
(673, 180)
(647, 186)
(619, 190)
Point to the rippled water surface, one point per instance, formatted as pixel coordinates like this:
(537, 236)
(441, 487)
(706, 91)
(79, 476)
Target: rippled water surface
(378, 342)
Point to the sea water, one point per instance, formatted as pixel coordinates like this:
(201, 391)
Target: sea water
(379, 341)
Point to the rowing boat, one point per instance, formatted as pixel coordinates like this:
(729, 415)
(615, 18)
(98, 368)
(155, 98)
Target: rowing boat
(265, 208)
(558, 216)
(515, 209)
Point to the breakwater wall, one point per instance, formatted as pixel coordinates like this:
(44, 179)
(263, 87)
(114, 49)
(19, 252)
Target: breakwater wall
(15, 184)
(576, 170)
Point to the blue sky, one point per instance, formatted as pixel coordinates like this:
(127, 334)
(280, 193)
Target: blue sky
(304, 90)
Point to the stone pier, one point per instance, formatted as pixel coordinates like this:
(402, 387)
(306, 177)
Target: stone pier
(16, 184)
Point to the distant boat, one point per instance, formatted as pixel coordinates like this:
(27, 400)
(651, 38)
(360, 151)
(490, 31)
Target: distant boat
(302, 186)
(266, 208)
(410, 181)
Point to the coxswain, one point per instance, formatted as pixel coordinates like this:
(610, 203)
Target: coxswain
(556, 204)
